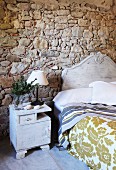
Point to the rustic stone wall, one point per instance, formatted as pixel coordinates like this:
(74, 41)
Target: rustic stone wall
(35, 35)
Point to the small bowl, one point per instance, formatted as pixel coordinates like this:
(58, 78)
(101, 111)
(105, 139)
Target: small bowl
(37, 107)
(28, 107)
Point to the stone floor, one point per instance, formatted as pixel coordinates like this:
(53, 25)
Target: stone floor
(36, 159)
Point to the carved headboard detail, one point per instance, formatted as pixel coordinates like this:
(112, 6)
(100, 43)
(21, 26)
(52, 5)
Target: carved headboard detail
(96, 66)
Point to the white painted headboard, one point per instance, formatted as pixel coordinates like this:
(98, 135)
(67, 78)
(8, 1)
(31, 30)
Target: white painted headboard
(95, 67)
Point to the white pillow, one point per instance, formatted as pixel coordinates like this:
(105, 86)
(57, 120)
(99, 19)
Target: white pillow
(114, 82)
(103, 92)
(95, 82)
(73, 96)
(91, 84)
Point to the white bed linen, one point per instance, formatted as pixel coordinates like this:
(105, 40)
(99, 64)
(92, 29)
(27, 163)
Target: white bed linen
(72, 96)
(103, 92)
(58, 106)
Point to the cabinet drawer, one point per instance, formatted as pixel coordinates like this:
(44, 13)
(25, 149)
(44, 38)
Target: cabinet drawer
(26, 119)
(36, 134)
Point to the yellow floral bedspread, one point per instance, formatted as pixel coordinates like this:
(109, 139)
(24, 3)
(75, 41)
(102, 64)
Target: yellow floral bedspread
(93, 140)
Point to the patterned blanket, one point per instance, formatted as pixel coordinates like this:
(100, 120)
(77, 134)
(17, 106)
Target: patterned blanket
(73, 114)
(93, 141)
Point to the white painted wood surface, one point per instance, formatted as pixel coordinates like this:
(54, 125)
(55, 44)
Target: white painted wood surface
(95, 67)
(29, 128)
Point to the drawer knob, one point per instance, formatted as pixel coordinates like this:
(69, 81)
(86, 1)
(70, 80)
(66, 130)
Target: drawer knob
(28, 119)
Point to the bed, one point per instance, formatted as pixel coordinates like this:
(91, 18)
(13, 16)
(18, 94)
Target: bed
(85, 111)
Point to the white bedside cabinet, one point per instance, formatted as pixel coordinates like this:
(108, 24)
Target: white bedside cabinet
(29, 128)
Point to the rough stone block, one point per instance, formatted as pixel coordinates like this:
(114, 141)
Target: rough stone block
(4, 121)
(63, 55)
(7, 100)
(103, 32)
(94, 22)
(43, 44)
(98, 17)
(8, 42)
(36, 6)
(72, 21)
(2, 13)
(50, 16)
(10, 1)
(76, 48)
(1, 96)
(12, 31)
(50, 54)
(3, 70)
(5, 26)
(60, 26)
(5, 63)
(17, 68)
(8, 91)
(66, 32)
(28, 23)
(24, 6)
(37, 15)
(61, 19)
(12, 58)
(18, 50)
(77, 31)
(49, 32)
(26, 18)
(40, 24)
(113, 34)
(12, 7)
(103, 22)
(109, 23)
(24, 42)
(83, 23)
(55, 42)
(77, 14)
(1, 51)
(87, 34)
(16, 23)
(6, 81)
(114, 9)
(63, 12)
(36, 42)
